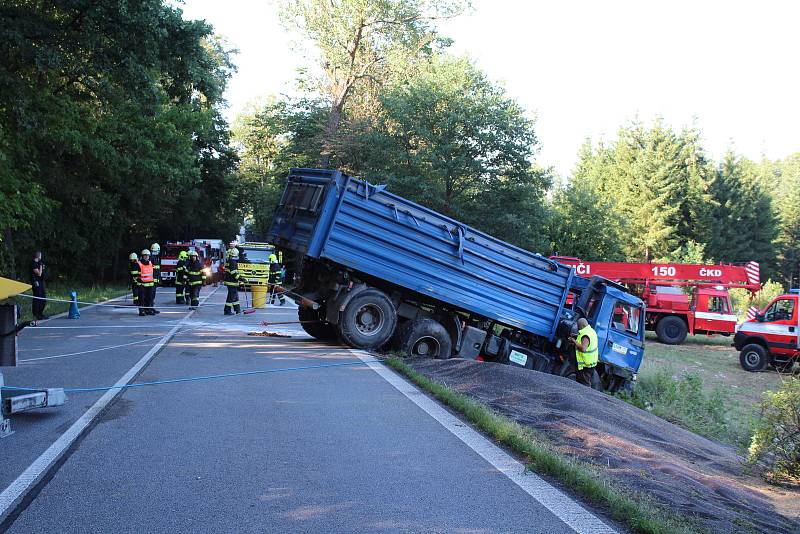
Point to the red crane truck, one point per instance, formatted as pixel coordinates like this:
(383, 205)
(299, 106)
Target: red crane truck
(672, 312)
(772, 337)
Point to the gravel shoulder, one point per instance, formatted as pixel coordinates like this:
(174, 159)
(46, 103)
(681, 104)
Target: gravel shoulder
(682, 471)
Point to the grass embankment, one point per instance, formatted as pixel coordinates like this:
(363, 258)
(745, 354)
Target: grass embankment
(700, 386)
(60, 291)
(635, 510)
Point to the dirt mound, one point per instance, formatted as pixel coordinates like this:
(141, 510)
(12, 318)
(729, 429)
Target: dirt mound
(681, 470)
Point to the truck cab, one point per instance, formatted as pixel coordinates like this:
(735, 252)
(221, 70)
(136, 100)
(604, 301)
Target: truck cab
(254, 262)
(772, 337)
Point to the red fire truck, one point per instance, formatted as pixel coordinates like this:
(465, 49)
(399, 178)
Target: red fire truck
(681, 298)
(772, 337)
(169, 259)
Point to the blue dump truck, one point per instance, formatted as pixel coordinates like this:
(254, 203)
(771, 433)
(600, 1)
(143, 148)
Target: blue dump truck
(374, 269)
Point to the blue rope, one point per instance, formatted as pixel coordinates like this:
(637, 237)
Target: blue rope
(197, 378)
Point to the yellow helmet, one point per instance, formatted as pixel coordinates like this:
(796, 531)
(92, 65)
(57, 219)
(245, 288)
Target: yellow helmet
(133, 256)
(183, 255)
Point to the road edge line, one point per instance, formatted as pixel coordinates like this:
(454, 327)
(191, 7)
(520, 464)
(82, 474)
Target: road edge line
(16, 492)
(569, 511)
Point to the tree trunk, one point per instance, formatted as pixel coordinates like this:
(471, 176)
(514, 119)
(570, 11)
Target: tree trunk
(331, 129)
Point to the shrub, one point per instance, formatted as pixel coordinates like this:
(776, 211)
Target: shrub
(740, 298)
(684, 402)
(775, 444)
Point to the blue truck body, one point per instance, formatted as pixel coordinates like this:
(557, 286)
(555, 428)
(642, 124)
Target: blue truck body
(328, 217)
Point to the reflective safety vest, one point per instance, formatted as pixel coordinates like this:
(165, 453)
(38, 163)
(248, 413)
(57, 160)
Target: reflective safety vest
(232, 275)
(588, 358)
(146, 275)
(194, 270)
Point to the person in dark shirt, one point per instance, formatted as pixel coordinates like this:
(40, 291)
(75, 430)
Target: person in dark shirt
(37, 281)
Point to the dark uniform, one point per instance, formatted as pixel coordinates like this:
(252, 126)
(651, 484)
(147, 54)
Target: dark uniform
(233, 279)
(180, 279)
(37, 281)
(275, 275)
(194, 271)
(134, 271)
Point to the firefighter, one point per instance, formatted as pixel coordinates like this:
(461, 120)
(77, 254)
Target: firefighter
(180, 278)
(275, 270)
(233, 279)
(133, 268)
(146, 285)
(586, 355)
(155, 259)
(195, 277)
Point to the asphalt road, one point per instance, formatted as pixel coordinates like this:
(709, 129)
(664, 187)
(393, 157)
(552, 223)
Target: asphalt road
(334, 449)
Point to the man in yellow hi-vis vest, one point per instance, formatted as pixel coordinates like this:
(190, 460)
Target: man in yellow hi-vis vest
(586, 355)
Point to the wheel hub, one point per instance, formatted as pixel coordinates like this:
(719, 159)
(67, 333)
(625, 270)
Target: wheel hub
(751, 358)
(426, 346)
(369, 319)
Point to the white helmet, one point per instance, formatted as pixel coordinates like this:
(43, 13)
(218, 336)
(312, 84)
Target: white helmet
(145, 252)
(156, 248)
(133, 256)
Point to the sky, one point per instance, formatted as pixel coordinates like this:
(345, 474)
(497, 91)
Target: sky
(585, 68)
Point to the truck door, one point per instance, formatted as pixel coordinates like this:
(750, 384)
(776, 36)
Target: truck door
(624, 327)
(780, 325)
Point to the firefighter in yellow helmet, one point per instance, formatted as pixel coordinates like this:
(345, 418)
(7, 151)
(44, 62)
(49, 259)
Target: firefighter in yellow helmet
(233, 279)
(181, 278)
(195, 278)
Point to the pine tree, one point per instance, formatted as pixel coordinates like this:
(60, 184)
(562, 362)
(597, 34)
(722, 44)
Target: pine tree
(745, 226)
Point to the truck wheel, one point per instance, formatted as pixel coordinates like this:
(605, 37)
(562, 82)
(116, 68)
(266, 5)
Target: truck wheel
(671, 330)
(426, 338)
(568, 370)
(368, 321)
(753, 357)
(315, 327)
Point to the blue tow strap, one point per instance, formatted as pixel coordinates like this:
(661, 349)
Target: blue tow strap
(197, 378)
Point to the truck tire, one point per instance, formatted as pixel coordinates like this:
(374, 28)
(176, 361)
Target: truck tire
(671, 330)
(425, 338)
(315, 327)
(753, 357)
(368, 320)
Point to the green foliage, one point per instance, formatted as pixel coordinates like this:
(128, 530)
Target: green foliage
(741, 299)
(109, 130)
(357, 41)
(776, 439)
(585, 225)
(452, 140)
(745, 226)
(684, 401)
(786, 197)
(657, 183)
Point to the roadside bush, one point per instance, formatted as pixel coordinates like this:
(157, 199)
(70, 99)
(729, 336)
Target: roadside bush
(775, 444)
(684, 402)
(740, 298)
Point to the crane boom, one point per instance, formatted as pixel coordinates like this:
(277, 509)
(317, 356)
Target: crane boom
(746, 276)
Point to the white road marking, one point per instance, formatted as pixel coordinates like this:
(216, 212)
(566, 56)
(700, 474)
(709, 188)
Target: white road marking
(17, 490)
(567, 510)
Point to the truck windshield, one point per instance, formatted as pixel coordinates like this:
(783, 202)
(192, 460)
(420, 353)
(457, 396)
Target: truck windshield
(255, 255)
(626, 318)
